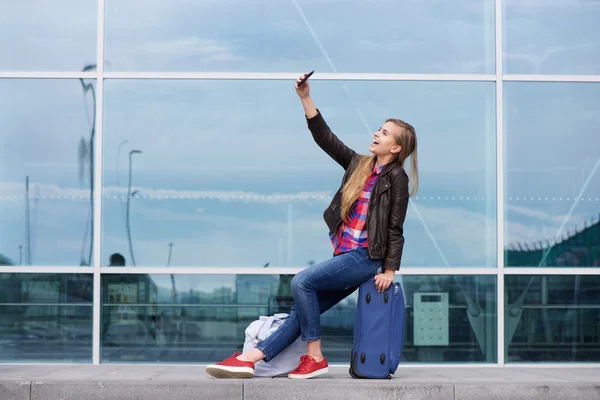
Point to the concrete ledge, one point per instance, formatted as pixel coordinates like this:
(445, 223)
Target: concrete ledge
(136, 390)
(14, 390)
(528, 392)
(162, 382)
(276, 389)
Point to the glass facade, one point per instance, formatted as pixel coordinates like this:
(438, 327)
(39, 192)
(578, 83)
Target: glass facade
(46, 317)
(552, 318)
(198, 318)
(191, 189)
(159, 187)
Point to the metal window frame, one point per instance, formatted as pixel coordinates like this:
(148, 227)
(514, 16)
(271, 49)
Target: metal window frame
(97, 254)
(500, 349)
(500, 271)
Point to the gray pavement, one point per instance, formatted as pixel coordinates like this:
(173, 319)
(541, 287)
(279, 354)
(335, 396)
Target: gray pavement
(164, 382)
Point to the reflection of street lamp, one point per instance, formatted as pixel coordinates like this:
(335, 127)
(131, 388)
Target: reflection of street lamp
(169, 256)
(129, 194)
(90, 87)
(118, 177)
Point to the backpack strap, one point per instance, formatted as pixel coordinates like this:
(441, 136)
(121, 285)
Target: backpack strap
(263, 331)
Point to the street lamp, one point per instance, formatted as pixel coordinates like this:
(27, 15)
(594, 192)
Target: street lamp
(129, 194)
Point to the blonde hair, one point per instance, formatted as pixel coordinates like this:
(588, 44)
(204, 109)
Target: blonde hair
(406, 138)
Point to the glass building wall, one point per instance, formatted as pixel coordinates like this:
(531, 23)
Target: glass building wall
(159, 187)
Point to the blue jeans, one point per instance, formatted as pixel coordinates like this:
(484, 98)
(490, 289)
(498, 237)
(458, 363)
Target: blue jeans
(315, 290)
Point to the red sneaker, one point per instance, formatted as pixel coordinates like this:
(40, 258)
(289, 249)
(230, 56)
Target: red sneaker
(232, 368)
(309, 368)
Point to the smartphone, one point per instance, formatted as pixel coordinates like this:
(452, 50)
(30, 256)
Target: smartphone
(306, 77)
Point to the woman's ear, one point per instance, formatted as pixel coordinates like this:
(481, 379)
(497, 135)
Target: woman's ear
(396, 149)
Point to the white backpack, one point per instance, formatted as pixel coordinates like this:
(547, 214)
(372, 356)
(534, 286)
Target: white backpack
(286, 361)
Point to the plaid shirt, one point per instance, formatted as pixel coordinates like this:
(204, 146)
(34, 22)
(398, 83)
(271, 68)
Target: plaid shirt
(353, 234)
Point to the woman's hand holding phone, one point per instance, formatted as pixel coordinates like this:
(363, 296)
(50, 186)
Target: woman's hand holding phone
(302, 86)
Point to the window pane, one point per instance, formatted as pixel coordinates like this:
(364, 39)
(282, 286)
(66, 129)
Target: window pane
(202, 318)
(551, 37)
(552, 177)
(230, 175)
(37, 35)
(345, 36)
(46, 318)
(552, 318)
(45, 170)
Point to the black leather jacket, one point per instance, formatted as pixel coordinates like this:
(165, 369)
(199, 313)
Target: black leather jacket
(388, 203)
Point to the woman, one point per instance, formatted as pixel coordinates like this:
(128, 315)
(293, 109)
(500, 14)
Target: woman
(365, 220)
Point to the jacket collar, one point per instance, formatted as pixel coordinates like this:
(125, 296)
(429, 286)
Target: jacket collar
(388, 168)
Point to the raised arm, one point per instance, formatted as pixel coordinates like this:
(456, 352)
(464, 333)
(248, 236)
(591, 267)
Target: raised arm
(321, 132)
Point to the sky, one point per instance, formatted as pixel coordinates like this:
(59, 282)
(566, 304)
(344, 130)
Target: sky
(228, 171)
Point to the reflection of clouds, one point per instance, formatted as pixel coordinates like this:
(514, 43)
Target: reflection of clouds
(592, 115)
(551, 141)
(230, 236)
(42, 35)
(530, 213)
(14, 190)
(226, 241)
(261, 234)
(527, 53)
(552, 219)
(42, 122)
(186, 47)
(167, 121)
(543, 223)
(57, 228)
(279, 40)
(461, 234)
(552, 36)
(533, 6)
(396, 45)
(547, 56)
(181, 125)
(244, 196)
(164, 53)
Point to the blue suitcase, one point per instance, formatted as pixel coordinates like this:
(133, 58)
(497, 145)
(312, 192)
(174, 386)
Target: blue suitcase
(378, 331)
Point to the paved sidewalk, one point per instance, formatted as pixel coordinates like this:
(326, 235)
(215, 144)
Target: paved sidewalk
(149, 382)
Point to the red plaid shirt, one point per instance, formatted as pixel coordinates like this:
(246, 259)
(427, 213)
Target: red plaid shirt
(353, 234)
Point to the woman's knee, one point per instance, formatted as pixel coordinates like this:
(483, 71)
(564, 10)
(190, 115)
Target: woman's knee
(296, 281)
(299, 282)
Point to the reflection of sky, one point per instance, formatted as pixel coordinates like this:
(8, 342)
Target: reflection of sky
(357, 36)
(42, 122)
(232, 139)
(263, 150)
(48, 36)
(432, 36)
(239, 138)
(551, 36)
(552, 157)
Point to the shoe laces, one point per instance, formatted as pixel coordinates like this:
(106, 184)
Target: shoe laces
(305, 363)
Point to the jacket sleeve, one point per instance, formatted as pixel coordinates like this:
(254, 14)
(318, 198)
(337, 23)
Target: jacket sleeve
(330, 143)
(398, 207)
